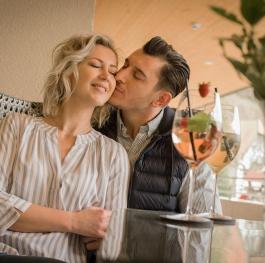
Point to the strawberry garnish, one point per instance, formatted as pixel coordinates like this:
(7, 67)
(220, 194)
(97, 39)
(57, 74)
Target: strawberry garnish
(204, 89)
(183, 123)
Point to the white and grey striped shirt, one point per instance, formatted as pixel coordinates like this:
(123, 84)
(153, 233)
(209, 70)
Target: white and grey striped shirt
(94, 173)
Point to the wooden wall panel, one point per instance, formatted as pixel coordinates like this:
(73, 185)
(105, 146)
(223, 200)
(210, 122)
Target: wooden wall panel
(133, 22)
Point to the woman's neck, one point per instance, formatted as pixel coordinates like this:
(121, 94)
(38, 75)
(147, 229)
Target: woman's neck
(72, 119)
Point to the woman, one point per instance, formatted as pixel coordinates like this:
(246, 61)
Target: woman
(59, 177)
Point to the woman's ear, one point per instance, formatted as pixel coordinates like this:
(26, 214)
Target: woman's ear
(163, 98)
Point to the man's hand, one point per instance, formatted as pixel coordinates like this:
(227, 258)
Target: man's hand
(90, 222)
(91, 243)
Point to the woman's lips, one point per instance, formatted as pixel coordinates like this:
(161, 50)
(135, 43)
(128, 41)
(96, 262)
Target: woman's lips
(100, 87)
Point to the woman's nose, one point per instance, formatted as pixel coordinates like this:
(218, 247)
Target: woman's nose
(104, 73)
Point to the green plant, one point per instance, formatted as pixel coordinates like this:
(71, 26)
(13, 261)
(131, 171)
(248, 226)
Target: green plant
(251, 46)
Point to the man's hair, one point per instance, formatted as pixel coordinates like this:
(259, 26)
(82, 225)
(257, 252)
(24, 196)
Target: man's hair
(66, 57)
(174, 75)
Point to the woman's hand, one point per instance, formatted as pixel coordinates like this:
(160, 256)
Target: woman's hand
(90, 222)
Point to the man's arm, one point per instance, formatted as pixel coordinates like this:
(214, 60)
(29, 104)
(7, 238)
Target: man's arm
(202, 192)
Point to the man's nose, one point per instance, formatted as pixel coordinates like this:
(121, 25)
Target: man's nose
(121, 75)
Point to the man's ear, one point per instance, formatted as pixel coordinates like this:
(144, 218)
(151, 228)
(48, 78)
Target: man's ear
(163, 98)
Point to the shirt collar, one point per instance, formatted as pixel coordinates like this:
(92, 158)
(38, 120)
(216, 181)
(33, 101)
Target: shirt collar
(149, 128)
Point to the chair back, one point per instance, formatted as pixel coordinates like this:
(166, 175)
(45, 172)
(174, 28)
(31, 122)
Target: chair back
(10, 104)
(27, 259)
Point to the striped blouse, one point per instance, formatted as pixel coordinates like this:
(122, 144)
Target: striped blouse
(94, 173)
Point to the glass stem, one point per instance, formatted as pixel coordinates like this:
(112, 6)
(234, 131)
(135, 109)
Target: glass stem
(191, 186)
(212, 209)
(187, 233)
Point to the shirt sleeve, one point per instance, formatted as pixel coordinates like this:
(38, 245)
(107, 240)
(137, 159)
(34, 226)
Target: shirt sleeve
(117, 190)
(116, 200)
(202, 192)
(11, 206)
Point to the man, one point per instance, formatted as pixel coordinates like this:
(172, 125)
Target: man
(146, 83)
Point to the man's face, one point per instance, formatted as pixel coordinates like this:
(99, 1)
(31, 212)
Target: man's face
(136, 81)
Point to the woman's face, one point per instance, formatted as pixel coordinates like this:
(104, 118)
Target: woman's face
(96, 77)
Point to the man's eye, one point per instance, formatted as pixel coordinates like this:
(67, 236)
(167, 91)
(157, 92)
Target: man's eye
(136, 75)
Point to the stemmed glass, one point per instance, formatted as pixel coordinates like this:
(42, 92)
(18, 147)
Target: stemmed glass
(225, 153)
(194, 242)
(196, 136)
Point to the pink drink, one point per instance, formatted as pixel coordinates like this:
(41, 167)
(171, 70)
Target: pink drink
(205, 143)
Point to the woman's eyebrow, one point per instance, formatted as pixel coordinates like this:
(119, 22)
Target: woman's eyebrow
(100, 60)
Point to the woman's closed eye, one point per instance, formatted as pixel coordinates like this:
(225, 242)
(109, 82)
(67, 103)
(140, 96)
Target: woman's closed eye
(95, 65)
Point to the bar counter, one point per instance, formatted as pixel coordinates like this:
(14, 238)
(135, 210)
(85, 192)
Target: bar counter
(142, 236)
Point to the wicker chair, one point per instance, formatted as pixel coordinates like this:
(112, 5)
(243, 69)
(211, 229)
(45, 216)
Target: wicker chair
(10, 104)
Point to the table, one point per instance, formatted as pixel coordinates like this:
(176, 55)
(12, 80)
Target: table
(141, 236)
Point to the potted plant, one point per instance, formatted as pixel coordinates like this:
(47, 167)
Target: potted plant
(250, 63)
(251, 46)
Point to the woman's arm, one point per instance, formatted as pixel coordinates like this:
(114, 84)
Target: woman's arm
(116, 199)
(90, 222)
(20, 215)
(117, 192)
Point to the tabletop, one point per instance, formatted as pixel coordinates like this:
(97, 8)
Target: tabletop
(142, 236)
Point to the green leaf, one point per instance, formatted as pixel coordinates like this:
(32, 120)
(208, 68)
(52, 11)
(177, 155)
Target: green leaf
(259, 92)
(199, 122)
(222, 12)
(238, 65)
(251, 44)
(258, 86)
(253, 10)
(262, 41)
(237, 40)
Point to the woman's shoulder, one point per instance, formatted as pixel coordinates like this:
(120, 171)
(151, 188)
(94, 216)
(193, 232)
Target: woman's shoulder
(17, 119)
(15, 124)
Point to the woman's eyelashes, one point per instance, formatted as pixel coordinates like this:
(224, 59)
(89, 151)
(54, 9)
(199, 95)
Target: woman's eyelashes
(95, 65)
(99, 66)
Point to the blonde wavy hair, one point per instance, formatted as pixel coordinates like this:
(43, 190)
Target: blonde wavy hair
(66, 57)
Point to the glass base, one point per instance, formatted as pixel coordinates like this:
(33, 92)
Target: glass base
(220, 219)
(195, 220)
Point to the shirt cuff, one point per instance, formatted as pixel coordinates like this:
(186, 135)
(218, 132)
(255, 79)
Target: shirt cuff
(11, 208)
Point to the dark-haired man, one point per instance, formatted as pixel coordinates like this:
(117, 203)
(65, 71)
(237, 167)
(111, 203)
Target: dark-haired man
(150, 77)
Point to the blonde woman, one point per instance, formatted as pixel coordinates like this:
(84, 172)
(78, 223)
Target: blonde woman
(59, 178)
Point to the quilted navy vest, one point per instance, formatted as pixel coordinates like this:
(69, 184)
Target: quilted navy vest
(159, 170)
